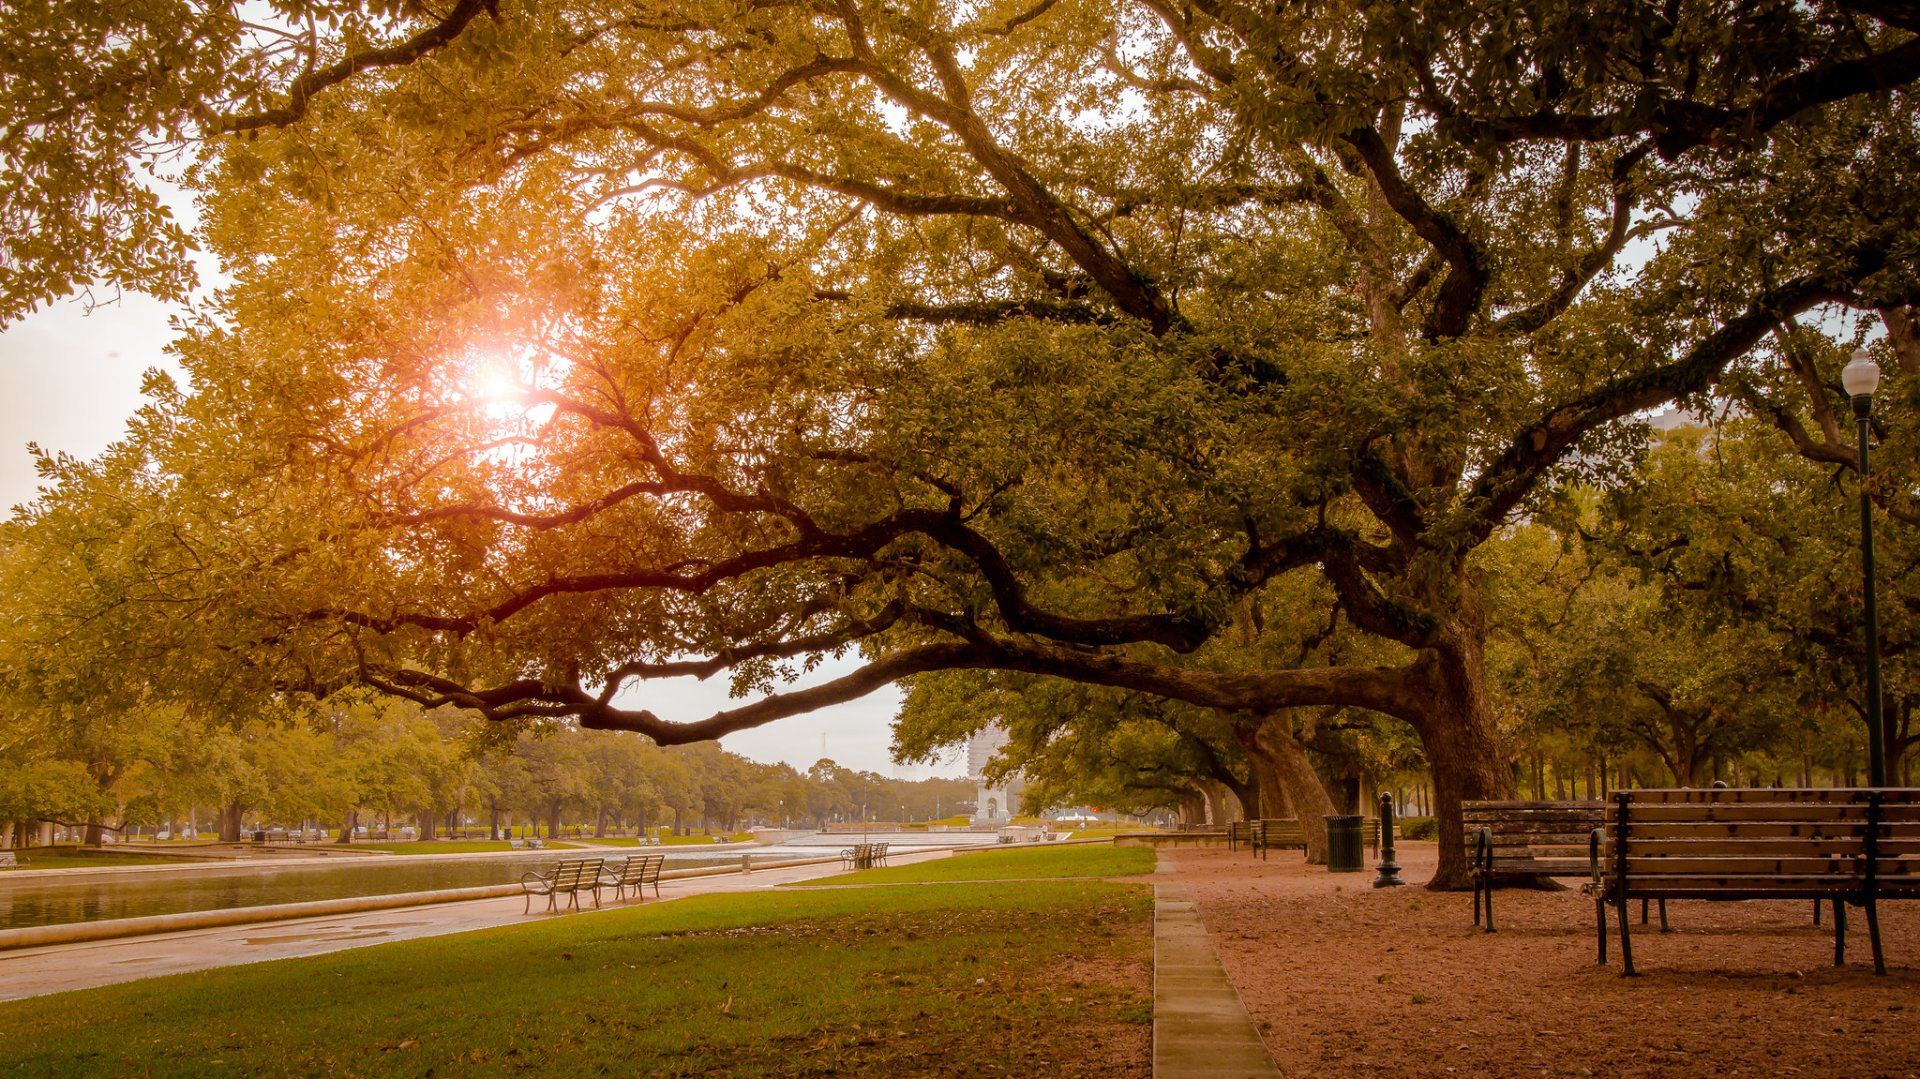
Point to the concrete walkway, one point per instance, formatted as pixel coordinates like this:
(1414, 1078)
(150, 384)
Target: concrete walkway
(1200, 1028)
(32, 972)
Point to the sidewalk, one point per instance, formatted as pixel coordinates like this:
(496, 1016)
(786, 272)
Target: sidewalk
(32, 972)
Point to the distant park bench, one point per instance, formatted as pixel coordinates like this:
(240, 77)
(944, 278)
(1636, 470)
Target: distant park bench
(8, 859)
(1286, 833)
(637, 872)
(864, 855)
(1238, 832)
(1841, 845)
(569, 878)
(1526, 839)
(525, 844)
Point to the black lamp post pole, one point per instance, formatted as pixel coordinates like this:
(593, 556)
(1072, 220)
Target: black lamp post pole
(1876, 731)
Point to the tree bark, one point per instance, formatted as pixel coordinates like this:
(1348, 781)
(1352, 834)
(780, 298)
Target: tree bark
(1293, 772)
(349, 823)
(230, 815)
(1462, 745)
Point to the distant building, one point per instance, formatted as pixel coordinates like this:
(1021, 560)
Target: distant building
(991, 804)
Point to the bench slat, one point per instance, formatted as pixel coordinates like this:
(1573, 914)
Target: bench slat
(1711, 865)
(1736, 795)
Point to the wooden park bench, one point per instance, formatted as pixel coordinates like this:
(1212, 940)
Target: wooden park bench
(1845, 845)
(569, 878)
(8, 859)
(1238, 832)
(1286, 833)
(637, 872)
(1511, 840)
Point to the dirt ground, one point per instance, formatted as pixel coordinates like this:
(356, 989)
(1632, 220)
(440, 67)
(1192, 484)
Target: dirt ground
(1346, 980)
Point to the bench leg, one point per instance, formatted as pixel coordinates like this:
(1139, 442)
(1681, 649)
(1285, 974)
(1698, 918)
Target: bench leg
(1873, 935)
(1816, 912)
(1839, 933)
(1600, 927)
(1626, 940)
(1663, 917)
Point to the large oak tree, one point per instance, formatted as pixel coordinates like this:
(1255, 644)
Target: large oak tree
(577, 344)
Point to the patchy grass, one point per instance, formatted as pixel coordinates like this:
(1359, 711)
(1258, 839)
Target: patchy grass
(108, 860)
(453, 846)
(1023, 863)
(1049, 978)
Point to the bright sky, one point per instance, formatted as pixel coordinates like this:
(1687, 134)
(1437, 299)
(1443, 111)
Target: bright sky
(69, 380)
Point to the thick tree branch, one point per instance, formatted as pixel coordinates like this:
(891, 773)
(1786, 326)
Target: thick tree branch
(430, 40)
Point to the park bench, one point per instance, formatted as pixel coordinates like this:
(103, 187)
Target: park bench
(637, 872)
(7, 858)
(1527, 839)
(569, 878)
(864, 855)
(1238, 832)
(1286, 833)
(1845, 845)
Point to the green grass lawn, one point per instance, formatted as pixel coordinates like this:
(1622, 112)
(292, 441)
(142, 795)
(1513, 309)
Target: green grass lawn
(90, 861)
(452, 846)
(990, 979)
(1028, 863)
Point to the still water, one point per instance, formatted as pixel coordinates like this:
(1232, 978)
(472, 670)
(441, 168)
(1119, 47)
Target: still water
(97, 896)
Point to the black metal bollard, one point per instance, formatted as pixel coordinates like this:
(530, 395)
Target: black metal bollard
(1389, 875)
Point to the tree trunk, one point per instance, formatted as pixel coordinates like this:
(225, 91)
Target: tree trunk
(95, 833)
(230, 821)
(553, 821)
(1305, 794)
(428, 824)
(1462, 744)
(349, 823)
(493, 825)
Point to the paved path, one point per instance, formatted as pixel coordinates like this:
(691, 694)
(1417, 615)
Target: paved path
(1200, 1027)
(32, 972)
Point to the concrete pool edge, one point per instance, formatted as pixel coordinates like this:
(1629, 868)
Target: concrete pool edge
(35, 936)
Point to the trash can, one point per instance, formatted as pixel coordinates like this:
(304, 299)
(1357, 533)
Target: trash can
(260, 837)
(1343, 844)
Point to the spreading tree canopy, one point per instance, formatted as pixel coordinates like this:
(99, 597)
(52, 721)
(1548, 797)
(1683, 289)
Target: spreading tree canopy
(571, 345)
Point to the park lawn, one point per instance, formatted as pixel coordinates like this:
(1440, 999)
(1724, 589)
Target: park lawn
(1028, 863)
(92, 861)
(452, 846)
(1024, 979)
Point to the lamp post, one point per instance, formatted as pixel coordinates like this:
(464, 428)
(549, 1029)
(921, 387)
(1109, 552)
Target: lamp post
(1861, 377)
(1388, 875)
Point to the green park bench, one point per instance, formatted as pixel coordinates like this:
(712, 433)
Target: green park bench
(1286, 833)
(637, 872)
(1843, 845)
(569, 878)
(1515, 839)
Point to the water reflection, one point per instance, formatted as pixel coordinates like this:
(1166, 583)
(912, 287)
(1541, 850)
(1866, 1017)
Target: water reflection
(97, 896)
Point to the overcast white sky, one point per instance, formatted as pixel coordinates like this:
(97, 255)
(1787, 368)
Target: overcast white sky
(70, 379)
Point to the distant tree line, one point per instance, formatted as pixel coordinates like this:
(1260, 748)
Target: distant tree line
(383, 764)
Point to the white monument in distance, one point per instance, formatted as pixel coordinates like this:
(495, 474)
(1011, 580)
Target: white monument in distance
(991, 805)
